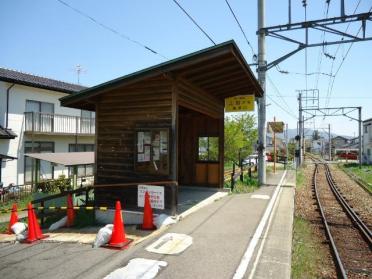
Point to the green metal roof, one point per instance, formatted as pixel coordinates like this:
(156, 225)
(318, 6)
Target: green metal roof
(164, 67)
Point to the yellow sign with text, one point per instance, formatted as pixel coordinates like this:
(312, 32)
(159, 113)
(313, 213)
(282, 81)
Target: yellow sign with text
(239, 103)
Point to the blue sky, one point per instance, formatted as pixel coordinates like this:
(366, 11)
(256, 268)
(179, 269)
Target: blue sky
(46, 38)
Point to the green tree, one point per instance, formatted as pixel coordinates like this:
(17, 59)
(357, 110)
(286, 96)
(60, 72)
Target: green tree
(240, 134)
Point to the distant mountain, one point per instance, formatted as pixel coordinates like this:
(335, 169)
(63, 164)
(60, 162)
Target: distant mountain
(308, 134)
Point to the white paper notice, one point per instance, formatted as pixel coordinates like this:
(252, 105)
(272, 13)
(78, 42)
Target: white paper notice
(156, 196)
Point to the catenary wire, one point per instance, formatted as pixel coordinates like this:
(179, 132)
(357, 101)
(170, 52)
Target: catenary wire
(112, 30)
(194, 21)
(329, 92)
(278, 93)
(283, 109)
(240, 26)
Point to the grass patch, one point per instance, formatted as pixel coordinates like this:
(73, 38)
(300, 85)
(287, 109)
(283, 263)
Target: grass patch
(22, 203)
(306, 253)
(228, 165)
(364, 173)
(248, 185)
(270, 168)
(83, 218)
(300, 178)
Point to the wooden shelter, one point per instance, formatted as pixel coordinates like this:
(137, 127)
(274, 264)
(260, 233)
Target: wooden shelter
(165, 124)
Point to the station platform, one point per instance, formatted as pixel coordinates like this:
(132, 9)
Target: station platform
(222, 233)
(229, 240)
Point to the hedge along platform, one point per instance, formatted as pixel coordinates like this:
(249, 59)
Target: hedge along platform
(164, 126)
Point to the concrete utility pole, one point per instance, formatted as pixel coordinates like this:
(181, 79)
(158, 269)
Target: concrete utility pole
(286, 143)
(360, 135)
(330, 143)
(274, 143)
(300, 124)
(303, 138)
(261, 101)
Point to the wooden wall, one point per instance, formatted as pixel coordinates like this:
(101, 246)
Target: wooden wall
(118, 113)
(199, 114)
(193, 125)
(151, 103)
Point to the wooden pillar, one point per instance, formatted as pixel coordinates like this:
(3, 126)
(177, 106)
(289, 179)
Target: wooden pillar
(174, 134)
(174, 147)
(221, 150)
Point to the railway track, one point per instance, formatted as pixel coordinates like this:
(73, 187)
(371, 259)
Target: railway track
(349, 238)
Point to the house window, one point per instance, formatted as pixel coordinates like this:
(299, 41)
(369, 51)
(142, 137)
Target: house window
(43, 114)
(83, 170)
(369, 152)
(366, 129)
(87, 121)
(46, 168)
(208, 149)
(80, 147)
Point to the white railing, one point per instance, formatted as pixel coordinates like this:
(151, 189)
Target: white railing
(59, 124)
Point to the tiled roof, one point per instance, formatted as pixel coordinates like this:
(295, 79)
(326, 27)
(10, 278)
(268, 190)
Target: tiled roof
(6, 133)
(39, 82)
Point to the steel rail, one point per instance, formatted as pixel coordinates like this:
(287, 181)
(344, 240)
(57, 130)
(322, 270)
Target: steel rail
(340, 269)
(362, 227)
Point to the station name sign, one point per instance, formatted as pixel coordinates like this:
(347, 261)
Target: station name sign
(275, 127)
(239, 103)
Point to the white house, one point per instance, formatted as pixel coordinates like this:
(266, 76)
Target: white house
(367, 141)
(32, 121)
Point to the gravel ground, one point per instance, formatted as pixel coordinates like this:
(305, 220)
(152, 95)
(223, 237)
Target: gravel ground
(352, 248)
(306, 207)
(358, 198)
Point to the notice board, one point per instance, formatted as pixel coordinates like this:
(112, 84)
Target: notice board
(152, 151)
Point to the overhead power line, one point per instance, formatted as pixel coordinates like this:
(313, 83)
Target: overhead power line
(278, 92)
(342, 62)
(283, 109)
(331, 82)
(112, 30)
(240, 26)
(194, 21)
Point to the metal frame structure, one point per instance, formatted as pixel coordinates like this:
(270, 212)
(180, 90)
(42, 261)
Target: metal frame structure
(336, 111)
(323, 25)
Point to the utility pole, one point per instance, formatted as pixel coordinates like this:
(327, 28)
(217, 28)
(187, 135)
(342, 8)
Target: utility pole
(300, 124)
(303, 138)
(330, 143)
(286, 143)
(261, 70)
(274, 142)
(360, 135)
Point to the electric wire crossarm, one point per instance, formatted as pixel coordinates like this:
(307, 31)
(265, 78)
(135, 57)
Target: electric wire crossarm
(323, 25)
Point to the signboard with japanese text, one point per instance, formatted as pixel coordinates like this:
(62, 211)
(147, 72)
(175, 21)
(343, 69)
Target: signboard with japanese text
(239, 103)
(275, 127)
(156, 196)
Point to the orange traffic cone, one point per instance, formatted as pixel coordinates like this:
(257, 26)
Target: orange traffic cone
(31, 237)
(148, 219)
(38, 232)
(70, 212)
(118, 239)
(13, 218)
